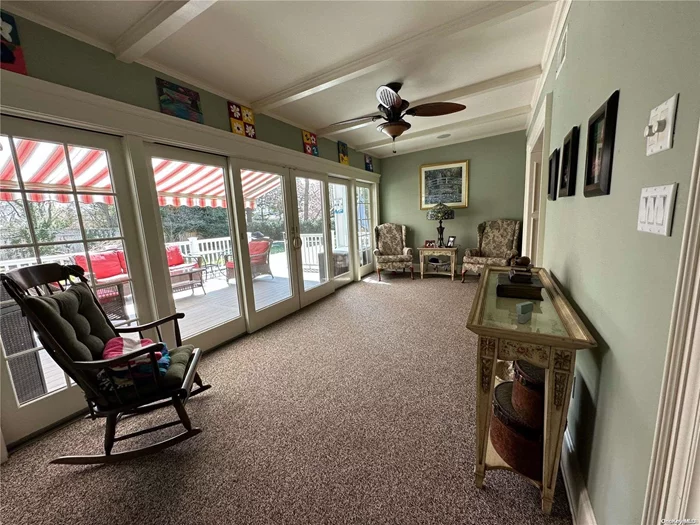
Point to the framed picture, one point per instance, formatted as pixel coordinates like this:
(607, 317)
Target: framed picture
(242, 120)
(553, 174)
(369, 165)
(451, 241)
(310, 142)
(343, 156)
(12, 54)
(447, 183)
(429, 244)
(179, 101)
(600, 144)
(569, 161)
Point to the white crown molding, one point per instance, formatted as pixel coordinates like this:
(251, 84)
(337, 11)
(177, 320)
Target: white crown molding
(677, 432)
(161, 22)
(15, 8)
(491, 14)
(477, 136)
(556, 28)
(29, 97)
(576, 491)
(509, 79)
(469, 123)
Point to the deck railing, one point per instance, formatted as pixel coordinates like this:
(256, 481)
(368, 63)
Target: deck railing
(212, 250)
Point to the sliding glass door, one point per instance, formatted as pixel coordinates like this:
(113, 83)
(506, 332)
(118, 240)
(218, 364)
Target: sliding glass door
(341, 225)
(265, 218)
(196, 246)
(64, 198)
(311, 242)
(364, 203)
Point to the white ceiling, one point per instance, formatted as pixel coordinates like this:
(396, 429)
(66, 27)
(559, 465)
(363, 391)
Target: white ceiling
(315, 63)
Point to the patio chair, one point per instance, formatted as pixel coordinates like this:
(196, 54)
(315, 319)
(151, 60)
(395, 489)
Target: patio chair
(259, 250)
(73, 328)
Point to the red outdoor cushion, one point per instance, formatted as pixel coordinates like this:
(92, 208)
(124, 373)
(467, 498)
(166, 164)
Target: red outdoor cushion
(104, 264)
(258, 247)
(174, 255)
(230, 264)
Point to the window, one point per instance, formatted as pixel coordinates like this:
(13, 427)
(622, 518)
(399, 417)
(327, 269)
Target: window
(57, 204)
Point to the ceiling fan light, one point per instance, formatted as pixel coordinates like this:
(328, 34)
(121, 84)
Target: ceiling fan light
(394, 129)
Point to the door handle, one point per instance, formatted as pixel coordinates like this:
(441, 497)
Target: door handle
(297, 243)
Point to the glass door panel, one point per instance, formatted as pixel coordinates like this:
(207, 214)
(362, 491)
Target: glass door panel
(265, 213)
(64, 198)
(340, 219)
(310, 210)
(365, 227)
(193, 199)
(268, 247)
(311, 238)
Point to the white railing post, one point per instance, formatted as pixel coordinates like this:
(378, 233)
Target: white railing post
(194, 246)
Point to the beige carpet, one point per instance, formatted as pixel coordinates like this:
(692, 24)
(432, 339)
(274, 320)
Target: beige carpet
(358, 409)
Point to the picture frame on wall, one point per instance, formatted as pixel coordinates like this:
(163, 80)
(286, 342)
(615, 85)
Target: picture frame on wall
(447, 182)
(553, 175)
(569, 163)
(600, 144)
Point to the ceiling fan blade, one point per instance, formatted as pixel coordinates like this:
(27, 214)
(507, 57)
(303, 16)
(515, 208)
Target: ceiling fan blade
(435, 109)
(388, 97)
(358, 120)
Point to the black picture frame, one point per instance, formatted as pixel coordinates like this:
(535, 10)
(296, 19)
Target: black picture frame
(569, 163)
(600, 144)
(451, 241)
(553, 175)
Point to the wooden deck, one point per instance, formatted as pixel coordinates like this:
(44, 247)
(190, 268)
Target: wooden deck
(220, 304)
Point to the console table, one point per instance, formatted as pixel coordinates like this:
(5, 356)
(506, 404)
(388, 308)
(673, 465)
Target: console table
(425, 252)
(549, 340)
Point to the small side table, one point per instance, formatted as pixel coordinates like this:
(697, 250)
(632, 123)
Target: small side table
(425, 252)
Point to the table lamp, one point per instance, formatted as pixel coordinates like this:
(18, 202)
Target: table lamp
(440, 212)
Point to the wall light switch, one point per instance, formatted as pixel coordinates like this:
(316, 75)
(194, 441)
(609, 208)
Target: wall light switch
(662, 121)
(656, 209)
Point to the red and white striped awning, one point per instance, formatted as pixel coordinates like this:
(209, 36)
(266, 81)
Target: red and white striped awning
(44, 168)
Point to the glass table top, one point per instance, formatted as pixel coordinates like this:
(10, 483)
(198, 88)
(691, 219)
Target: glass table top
(499, 312)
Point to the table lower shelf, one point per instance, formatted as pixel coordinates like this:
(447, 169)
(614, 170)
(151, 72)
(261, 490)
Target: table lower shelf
(495, 462)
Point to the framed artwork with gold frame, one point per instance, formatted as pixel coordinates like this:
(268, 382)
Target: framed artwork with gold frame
(446, 182)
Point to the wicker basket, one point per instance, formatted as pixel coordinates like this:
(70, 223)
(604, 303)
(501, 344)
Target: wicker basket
(518, 444)
(528, 393)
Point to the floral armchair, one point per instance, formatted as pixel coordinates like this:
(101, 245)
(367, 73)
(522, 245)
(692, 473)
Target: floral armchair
(498, 245)
(391, 252)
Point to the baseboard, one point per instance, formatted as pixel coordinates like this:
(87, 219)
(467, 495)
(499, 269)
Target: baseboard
(576, 492)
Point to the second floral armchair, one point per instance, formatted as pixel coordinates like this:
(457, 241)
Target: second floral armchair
(497, 245)
(391, 252)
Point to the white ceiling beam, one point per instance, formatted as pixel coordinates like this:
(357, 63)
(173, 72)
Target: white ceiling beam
(161, 22)
(492, 14)
(503, 81)
(469, 123)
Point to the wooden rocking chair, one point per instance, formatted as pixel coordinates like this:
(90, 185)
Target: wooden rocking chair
(73, 328)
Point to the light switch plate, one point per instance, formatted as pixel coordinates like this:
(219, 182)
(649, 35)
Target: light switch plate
(656, 209)
(664, 116)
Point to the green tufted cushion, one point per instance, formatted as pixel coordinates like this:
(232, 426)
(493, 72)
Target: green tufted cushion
(75, 321)
(179, 357)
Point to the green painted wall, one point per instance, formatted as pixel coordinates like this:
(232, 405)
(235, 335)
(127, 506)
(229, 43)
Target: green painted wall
(496, 188)
(622, 280)
(58, 58)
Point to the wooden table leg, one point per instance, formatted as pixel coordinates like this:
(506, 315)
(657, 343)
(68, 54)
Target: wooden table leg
(485, 374)
(422, 261)
(558, 383)
(452, 265)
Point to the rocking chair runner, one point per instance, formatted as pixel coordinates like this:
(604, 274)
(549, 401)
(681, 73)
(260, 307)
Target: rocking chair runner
(73, 328)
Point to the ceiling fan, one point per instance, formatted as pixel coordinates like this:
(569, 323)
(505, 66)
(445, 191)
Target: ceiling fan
(393, 109)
